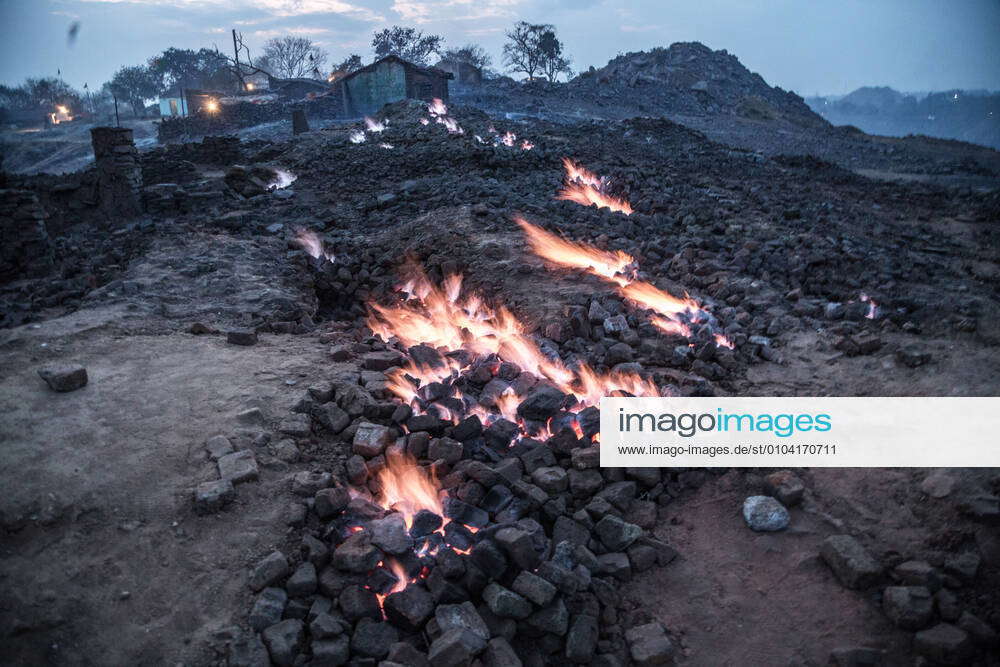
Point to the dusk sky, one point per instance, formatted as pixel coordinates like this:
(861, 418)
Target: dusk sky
(802, 45)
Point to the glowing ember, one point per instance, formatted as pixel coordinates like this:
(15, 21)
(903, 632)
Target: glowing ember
(527, 145)
(311, 243)
(508, 138)
(424, 121)
(373, 125)
(437, 108)
(586, 189)
(356, 137)
(385, 145)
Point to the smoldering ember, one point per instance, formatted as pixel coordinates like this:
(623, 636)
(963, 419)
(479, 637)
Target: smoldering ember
(307, 372)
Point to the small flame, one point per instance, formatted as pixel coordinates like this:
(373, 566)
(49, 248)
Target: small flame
(373, 125)
(508, 138)
(611, 265)
(587, 189)
(437, 108)
(527, 145)
(424, 121)
(282, 179)
(723, 341)
(356, 137)
(385, 145)
(407, 488)
(451, 124)
(313, 245)
(872, 306)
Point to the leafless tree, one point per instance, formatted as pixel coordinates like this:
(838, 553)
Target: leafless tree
(295, 57)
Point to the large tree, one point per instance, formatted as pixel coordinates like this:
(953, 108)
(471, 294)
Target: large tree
(135, 84)
(472, 54)
(524, 51)
(292, 57)
(407, 43)
(554, 62)
(184, 68)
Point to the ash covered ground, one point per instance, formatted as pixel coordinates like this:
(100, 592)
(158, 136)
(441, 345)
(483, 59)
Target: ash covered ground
(251, 475)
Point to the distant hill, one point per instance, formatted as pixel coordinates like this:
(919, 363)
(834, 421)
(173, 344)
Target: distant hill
(972, 116)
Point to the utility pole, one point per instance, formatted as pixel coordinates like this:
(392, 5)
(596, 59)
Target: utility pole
(118, 122)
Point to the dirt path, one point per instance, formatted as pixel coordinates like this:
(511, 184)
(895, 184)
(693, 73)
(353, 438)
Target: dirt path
(111, 565)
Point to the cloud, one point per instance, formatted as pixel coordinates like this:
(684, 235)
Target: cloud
(426, 11)
(281, 8)
(294, 30)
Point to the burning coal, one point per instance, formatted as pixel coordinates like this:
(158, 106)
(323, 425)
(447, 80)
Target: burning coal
(282, 179)
(356, 137)
(309, 241)
(443, 318)
(587, 189)
(673, 315)
(376, 126)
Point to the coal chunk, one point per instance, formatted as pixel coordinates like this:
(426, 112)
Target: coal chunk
(464, 513)
(455, 648)
(357, 554)
(271, 569)
(649, 645)
(284, 641)
(410, 608)
(542, 403)
(424, 523)
(390, 534)
(213, 496)
(243, 337)
(505, 603)
(268, 608)
(853, 565)
(64, 377)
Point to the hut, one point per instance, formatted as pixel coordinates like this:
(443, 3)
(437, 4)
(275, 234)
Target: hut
(388, 80)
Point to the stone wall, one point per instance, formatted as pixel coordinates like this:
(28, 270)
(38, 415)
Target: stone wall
(119, 177)
(25, 247)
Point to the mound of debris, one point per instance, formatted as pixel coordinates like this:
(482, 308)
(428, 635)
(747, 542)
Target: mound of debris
(690, 78)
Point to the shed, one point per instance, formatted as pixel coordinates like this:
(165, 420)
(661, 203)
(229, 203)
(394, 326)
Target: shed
(466, 74)
(173, 104)
(388, 80)
(299, 89)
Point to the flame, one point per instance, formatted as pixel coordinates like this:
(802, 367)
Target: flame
(604, 263)
(385, 145)
(527, 145)
(587, 189)
(508, 138)
(673, 314)
(402, 581)
(313, 245)
(282, 179)
(407, 488)
(424, 121)
(451, 124)
(356, 137)
(437, 108)
(373, 125)
(443, 318)
(872, 306)
(723, 341)
(211, 106)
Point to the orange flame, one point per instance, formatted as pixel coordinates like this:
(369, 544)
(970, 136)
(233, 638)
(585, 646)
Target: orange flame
(587, 189)
(609, 264)
(407, 488)
(441, 317)
(437, 107)
(619, 268)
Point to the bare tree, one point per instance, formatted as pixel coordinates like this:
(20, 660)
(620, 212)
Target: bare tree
(523, 51)
(352, 63)
(295, 57)
(472, 54)
(407, 43)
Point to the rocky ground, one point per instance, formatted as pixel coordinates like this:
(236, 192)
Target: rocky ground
(206, 497)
